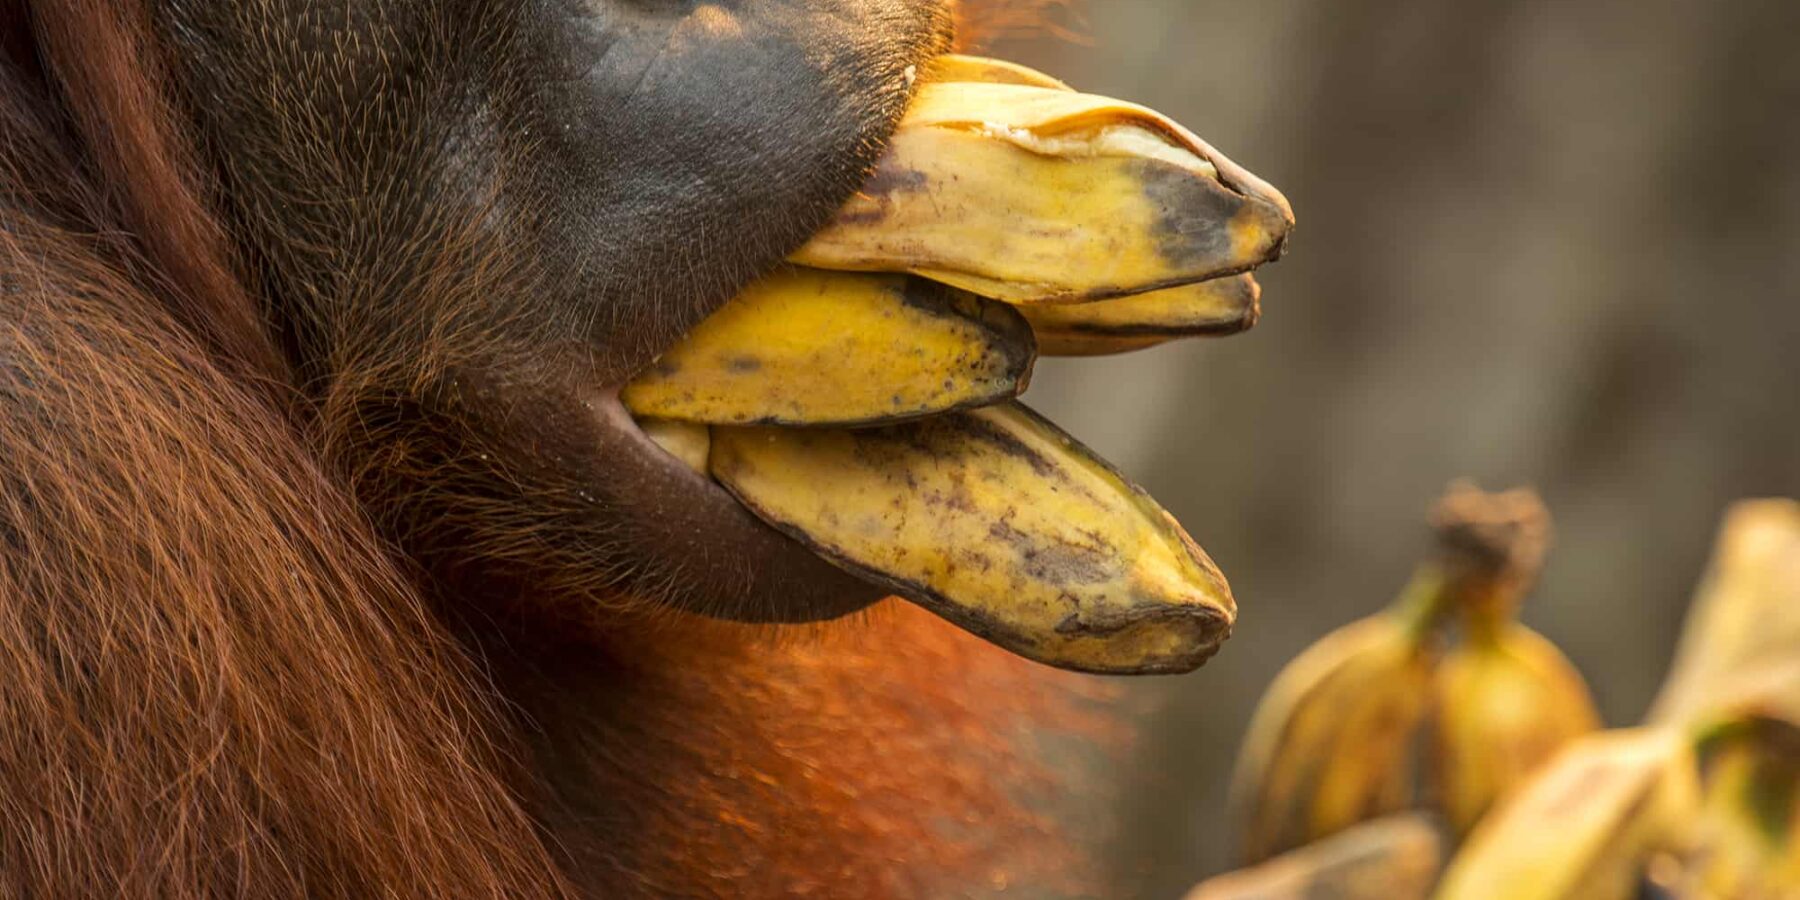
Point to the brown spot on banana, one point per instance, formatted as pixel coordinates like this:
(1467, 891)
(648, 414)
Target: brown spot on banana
(1033, 194)
(807, 347)
(999, 522)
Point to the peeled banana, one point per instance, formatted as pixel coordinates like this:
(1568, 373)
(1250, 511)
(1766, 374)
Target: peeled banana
(1506, 701)
(806, 347)
(1041, 195)
(999, 522)
(1585, 826)
(1218, 307)
(1333, 741)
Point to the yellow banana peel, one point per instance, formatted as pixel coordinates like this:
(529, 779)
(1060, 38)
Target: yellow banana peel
(1745, 837)
(806, 347)
(1036, 194)
(1332, 742)
(999, 522)
(1219, 307)
(1391, 858)
(1586, 825)
(1506, 700)
(1746, 612)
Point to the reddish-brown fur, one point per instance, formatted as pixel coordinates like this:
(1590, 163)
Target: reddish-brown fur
(217, 680)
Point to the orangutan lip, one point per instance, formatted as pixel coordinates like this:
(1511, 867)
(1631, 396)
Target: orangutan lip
(753, 572)
(613, 414)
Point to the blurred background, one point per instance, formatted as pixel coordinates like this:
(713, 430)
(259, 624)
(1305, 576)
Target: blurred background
(1549, 244)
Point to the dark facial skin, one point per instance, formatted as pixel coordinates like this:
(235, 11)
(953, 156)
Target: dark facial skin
(474, 220)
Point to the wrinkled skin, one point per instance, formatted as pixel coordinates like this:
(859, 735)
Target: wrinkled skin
(497, 212)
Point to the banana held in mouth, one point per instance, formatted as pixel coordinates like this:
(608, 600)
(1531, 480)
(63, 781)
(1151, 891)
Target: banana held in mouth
(1107, 228)
(999, 522)
(807, 347)
(1037, 195)
(1218, 307)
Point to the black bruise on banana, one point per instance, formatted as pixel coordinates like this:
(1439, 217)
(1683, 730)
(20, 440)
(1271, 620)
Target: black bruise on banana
(1001, 524)
(1195, 217)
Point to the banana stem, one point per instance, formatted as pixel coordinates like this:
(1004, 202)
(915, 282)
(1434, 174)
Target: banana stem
(1491, 547)
(1424, 601)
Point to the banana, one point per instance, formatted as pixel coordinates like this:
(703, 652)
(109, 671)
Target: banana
(1506, 701)
(1034, 194)
(805, 347)
(1746, 612)
(955, 67)
(1702, 802)
(1220, 306)
(861, 401)
(1748, 829)
(1736, 682)
(1586, 825)
(685, 441)
(999, 522)
(1392, 858)
(1332, 742)
(1745, 841)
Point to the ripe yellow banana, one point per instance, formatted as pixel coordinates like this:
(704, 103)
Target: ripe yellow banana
(1333, 741)
(999, 522)
(1036, 194)
(806, 347)
(1746, 612)
(1506, 701)
(1220, 306)
(1584, 827)
(1001, 183)
(1392, 858)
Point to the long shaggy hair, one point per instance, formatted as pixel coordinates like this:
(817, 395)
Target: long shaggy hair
(217, 678)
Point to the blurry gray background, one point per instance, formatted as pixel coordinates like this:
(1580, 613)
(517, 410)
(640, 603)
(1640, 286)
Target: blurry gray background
(1545, 243)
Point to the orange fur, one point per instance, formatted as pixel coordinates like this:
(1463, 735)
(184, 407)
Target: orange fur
(217, 679)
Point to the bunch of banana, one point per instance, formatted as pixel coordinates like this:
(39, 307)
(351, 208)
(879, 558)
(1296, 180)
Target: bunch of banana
(1746, 613)
(1736, 686)
(1392, 858)
(1332, 743)
(1704, 802)
(861, 400)
(1506, 699)
(1746, 836)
